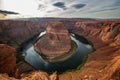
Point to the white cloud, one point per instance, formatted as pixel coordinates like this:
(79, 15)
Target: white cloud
(22, 6)
(93, 8)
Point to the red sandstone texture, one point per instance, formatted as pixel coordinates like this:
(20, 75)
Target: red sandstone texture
(8, 61)
(102, 64)
(56, 42)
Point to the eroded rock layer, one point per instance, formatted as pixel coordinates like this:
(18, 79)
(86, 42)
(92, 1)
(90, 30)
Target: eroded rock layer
(56, 42)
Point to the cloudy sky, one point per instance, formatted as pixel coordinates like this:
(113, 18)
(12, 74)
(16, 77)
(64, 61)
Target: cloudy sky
(64, 8)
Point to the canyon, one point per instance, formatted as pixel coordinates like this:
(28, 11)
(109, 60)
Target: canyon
(102, 64)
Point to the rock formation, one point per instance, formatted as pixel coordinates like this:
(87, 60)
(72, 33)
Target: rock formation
(55, 43)
(8, 61)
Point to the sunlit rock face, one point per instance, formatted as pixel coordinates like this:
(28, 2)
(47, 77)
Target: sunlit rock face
(56, 42)
(110, 32)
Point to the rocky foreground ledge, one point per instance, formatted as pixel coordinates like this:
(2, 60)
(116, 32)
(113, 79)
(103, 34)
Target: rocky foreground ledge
(103, 64)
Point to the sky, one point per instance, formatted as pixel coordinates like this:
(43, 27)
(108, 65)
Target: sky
(64, 8)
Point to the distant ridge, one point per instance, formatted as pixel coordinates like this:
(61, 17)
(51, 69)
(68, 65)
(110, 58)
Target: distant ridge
(51, 18)
(58, 18)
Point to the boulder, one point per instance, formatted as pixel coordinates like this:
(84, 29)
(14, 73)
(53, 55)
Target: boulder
(56, 42)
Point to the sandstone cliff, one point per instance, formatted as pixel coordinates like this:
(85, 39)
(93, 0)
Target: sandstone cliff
(107, 32)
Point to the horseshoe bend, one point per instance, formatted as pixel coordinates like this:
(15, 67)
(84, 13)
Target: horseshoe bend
(56, 42)
(102, 34)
